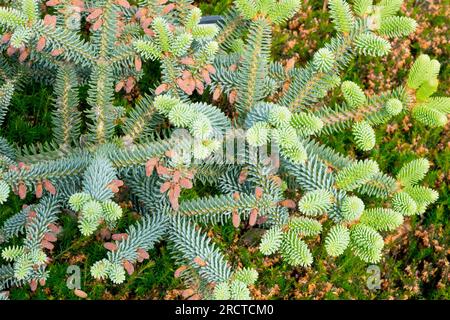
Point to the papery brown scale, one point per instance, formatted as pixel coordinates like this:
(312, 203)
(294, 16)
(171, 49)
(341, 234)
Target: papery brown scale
(261, 219)
(199, 86)
(242, 176)
(195, 297)
(170, 153)
(138, 64)
(78, 3)
(50, 237)
(97, 25)
(47, 245)
(200, 262)
(128, 267)
(41, 44)
(49, 187)
(50, 20)
(176, 190)
(236, 219)
(80, 293)
(42, 281)
(149, 32)
(56, 52)
(123, 3)
(24, 55)
(216, 94)
(33, 285)
(187, 293)
(179, 271)
(176, 176)
(11, 51)
(105, 234)
(113, 187)
(173, 199)
(54, 228)
(168, 8)
(278, 181)
(143, 254)
(288, 203)
(210, 68)
(253, 216)
(161, 88)
(149, 168)
(142, 12)
(232, 97)
(119, 236)
(205, 76)
(165, 186)
(186, 183)
(186, 85)
(6, 37)
(119, 86)
(258, 192)
(187, 61)
(118, 182)
(22, 191)
(129, 85)
(52, 3)
(94, 14)
(32, 215)
(161, 170)
(146, 22)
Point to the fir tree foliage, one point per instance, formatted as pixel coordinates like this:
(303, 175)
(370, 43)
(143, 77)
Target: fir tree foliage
(315, 202)
(364, 135)
(305, 226)
(353, 94)
(366, 243)
(351, 208)
(341, 15)
(356, 174)
(362, 7)
(413, 172)
(423, 82)
(404, 203)
(271, 241)
(382, 219)
(295, 251)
